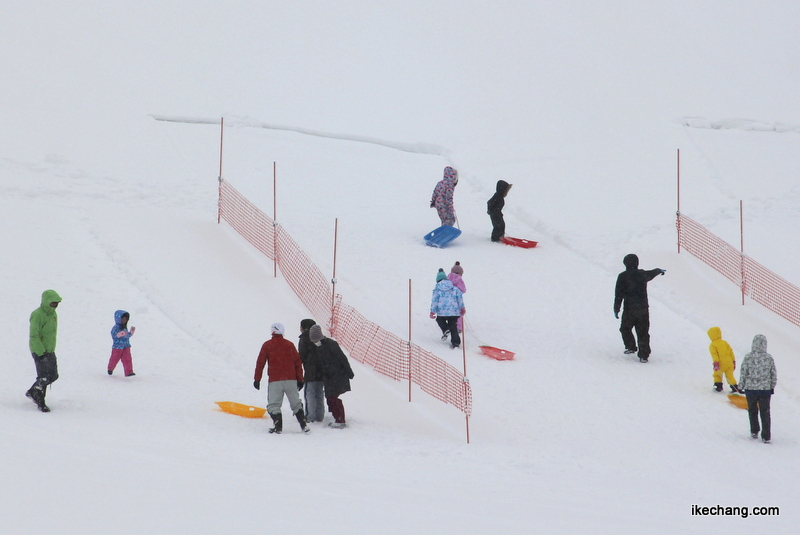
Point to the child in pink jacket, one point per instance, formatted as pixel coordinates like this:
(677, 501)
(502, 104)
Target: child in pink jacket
(121, 344)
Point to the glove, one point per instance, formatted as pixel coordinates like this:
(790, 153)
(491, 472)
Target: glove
(121, 334)
(133, 330)
(352, 375)
(716, 366)
(771, 390)
(616, 314)
(299, 385)
(257, 385)
(663, 271)
(433, 316)
(463, 311)
(433, 204)
(734, 364)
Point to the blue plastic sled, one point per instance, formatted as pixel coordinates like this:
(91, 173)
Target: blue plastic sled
(442, 236)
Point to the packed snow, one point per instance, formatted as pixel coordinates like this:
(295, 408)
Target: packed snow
(109, 159)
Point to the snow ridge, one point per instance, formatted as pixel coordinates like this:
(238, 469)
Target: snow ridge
(738, 124)
(417, 148)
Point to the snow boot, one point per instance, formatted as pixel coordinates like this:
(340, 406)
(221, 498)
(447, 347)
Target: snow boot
(130, 374)
(718, 387)
(445, 335)
(642, 359)
(110, 372)
(277, 420)
(765, 440)
(753, 435)
(301, 419)
(629, 351)
(735, 389)
(337, 425)
(37, 395)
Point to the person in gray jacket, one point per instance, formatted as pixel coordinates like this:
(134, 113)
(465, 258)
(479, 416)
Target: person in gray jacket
(758, 378)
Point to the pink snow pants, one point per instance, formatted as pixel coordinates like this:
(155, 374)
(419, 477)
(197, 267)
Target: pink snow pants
(123, 355)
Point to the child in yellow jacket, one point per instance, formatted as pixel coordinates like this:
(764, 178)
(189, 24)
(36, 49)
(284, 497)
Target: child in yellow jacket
(724, 360)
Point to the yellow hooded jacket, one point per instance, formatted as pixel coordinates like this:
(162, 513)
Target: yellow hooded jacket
(720, 349)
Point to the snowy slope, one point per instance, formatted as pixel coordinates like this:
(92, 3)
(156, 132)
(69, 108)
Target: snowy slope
(582, 109)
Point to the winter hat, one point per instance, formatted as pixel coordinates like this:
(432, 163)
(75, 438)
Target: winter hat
(457, 269)
(631, 261)
(441, 275)
(277, 328)
(315, 333)
(307, 323)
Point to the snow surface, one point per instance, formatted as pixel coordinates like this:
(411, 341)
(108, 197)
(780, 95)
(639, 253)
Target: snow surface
(580, 105)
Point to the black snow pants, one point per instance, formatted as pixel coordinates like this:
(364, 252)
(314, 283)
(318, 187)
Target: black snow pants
(636, 319)
(498, 225)
(758, 404)
(46, 370)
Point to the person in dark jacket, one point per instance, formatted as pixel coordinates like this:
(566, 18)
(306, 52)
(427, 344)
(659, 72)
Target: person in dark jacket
(758, 378)
(336, 373)
(312, 370)
(631, 290)
(285, 372)
(494, 207)
(42, 343)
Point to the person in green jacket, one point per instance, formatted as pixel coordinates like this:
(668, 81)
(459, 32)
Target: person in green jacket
(44, 327)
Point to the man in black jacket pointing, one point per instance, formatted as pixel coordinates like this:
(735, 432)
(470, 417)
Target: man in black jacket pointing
(632, 290)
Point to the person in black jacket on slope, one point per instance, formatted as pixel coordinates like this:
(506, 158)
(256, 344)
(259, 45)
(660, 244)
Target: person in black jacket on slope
(631, 290)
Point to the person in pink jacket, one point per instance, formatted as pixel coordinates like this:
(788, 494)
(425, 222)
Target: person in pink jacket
(455, 277)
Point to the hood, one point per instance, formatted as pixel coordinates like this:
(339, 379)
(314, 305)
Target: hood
(118, 316)
(503, 187)
(715, 333)
(445, 285)
(631, 262)
(759, 344)
(450, 175)
(50, 296)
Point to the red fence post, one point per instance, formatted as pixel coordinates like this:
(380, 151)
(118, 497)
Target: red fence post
(219, 197)
(741, 248)
(408, 346)
(678, 212)
(274, 219)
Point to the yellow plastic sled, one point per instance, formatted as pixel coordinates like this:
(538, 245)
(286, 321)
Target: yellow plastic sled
(241, 410)
(737, 400)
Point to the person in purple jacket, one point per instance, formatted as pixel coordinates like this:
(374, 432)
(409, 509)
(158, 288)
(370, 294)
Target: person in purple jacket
(442, 198)
(121, 343)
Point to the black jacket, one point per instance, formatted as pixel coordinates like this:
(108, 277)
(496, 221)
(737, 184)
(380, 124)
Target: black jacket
(632, 285)
(498, 201)
(337, 371)
(312, 362)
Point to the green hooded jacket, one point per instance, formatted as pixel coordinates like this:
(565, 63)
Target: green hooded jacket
(44, 324)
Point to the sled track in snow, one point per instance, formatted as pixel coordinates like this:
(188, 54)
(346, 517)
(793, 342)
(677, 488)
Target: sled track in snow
(416, 148)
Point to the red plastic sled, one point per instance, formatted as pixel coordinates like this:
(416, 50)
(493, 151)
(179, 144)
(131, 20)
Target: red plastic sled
(497, 353)
(519, 242)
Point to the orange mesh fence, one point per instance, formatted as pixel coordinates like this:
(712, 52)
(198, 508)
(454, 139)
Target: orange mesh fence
(366, 341)
(767, 289)
(757, 282)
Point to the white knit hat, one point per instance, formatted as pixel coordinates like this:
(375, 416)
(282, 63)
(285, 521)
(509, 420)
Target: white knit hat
(277, 328)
